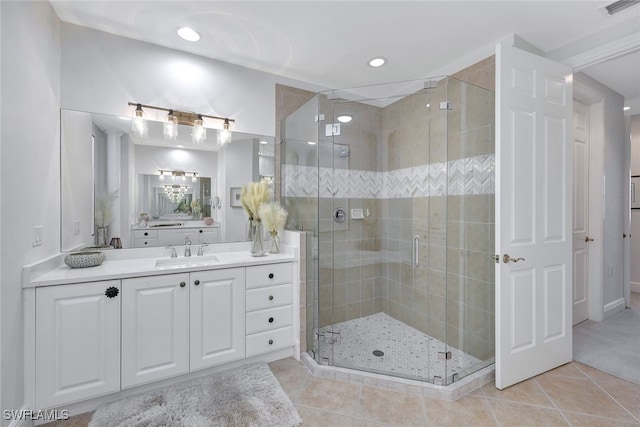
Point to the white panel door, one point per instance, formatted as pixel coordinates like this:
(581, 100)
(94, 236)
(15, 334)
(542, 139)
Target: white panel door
(155, 328)
(581, 238)
(77, 342)
(217, 317)
(533, 215)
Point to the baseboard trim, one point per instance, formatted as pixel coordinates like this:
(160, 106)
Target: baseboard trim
(21, 422)
(614, 307)
(635, 287)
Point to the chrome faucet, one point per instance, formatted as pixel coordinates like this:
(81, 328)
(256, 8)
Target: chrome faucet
(200, 251)
(173, 251)
(187, 247)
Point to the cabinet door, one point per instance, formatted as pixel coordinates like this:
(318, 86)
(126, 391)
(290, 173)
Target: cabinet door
(155, 328)
(77, 342)
(217, 317)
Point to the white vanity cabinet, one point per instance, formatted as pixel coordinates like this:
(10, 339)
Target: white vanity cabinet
(216, 317)
(269, 302)
(155, 328)
(78, 342)
(94, 338)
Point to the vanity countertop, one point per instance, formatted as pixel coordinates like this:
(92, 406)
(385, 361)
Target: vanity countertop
(176, 225)
(118, 267)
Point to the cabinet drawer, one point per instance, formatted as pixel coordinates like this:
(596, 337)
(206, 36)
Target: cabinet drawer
(143, 243)
(145, 234)
(265, 342)
(270, 296)
(272, 274)
(271, 318)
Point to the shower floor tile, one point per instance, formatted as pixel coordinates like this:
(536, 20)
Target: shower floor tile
(408, 352)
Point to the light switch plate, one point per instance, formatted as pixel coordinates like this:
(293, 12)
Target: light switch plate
(37, 236)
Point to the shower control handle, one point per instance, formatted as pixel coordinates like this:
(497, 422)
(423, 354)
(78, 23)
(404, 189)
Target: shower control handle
(416, 251)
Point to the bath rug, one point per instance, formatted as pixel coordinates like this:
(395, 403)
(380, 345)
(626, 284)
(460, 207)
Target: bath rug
(245, 396)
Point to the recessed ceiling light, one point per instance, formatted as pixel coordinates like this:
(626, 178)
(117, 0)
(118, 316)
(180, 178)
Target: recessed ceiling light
(377, 62)
(180, 146)
(188, 34)
(344, 119)
(626, 108)
(311, 143)
(263, 142)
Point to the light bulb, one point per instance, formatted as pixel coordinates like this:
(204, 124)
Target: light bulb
(224, 135)
(139, 124)
(170, 127)
(199, 133)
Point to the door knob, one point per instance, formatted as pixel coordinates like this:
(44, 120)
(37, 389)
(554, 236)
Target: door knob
(506, 258)
(588, 239)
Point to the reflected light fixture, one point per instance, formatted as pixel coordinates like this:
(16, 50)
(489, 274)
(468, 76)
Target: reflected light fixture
(224, 135)
(626, 108)
(188, 34)
(344, 119)
(263, 142)
(311, 142)
(170, 127)
(139, 125)
(199, 133)
(161, 177)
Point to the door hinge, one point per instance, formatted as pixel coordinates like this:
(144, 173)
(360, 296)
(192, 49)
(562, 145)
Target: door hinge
(319, 118)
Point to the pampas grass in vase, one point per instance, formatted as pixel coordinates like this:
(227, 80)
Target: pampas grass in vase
(254, 195)
(274, 217)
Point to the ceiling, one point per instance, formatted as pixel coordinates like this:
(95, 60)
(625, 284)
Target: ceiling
(329, 43)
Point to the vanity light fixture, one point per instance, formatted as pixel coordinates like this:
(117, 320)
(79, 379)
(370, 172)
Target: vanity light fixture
(139, 124)
(170, 127)
(179, 174)
(224, 135)
(199, 133)
(344, 119)
(188, 34)
(175, 118)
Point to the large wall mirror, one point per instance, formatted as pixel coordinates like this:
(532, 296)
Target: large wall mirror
(153, 191)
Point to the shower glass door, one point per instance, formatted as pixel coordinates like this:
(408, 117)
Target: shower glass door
(386, 230)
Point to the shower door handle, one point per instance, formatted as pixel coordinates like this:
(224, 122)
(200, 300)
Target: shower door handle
(416, 251)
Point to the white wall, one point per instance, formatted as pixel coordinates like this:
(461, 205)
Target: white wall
(606, 109)
(115, 70)
(635, 213)
(30, 156)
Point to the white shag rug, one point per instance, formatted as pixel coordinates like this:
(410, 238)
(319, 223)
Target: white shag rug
(245, 396)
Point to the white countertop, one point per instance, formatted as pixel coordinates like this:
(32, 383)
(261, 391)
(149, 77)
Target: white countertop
(173, 227)
(124, 263)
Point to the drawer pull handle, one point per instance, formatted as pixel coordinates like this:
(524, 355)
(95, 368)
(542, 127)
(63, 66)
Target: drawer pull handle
(270, 319)
(271, 276)
(197, 282)
(182, 284)
(270, 342)
(270, 297)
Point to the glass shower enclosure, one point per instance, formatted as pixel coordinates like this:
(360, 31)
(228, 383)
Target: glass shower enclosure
(396, 185)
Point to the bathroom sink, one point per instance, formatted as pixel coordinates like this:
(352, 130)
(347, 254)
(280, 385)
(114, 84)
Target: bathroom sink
(193, 261)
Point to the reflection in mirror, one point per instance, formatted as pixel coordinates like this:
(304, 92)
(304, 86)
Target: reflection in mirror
(166, 190)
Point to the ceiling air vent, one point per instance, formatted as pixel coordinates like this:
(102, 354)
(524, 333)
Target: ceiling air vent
(620, 5)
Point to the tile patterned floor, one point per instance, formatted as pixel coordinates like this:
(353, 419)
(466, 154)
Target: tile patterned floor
(571, 395)
(408, 352)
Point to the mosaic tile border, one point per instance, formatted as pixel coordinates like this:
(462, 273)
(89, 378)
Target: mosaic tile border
(469, 176)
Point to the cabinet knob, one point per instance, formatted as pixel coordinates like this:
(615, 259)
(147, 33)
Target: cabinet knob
(182, 284)
(271, 275)
(196, 282)
(270, 319)
(112, 292)
(270, 342)
(270, 297)
(201, 231)
(146, 234)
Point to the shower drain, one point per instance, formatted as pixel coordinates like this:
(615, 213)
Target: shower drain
(378, 353)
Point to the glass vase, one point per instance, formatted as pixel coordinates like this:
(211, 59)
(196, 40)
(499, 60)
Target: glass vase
(275, 243)
(101, 236)
(250, 230)
(257, 247)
